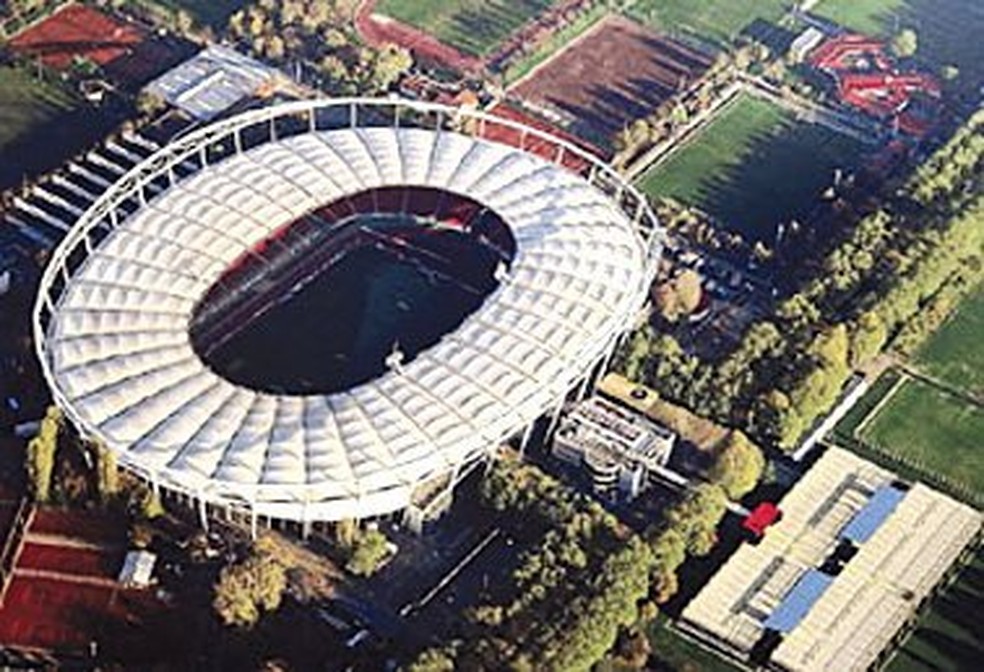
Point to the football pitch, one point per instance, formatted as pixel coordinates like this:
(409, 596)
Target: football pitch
(475, 27)
(955, 353)
(753, 166)
(933, 430)
(33, 119)
(714, 21)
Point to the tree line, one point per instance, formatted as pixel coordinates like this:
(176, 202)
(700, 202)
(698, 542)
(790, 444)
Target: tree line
(888, 283)
(585, 582)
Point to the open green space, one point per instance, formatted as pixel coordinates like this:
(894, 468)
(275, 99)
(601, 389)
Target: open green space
(949, 30)
(212, 13)
(473, 26)
(934, 430)
(849, 423)
(753, 166)
(865, 16)
(715, 21)
(955, 353)
(674, 651)
(35, 132)
(950, 635)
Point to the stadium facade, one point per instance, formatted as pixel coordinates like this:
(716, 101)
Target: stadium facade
(114, 314)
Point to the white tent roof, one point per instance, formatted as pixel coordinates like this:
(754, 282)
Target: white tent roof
(119, 350)
(212, 81)
(867, 603)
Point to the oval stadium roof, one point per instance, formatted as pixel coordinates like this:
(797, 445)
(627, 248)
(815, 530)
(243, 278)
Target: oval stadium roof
(117, 351)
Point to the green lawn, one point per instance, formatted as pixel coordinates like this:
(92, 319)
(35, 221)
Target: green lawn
(865, 16)
(212, 13)
(955, 353)
(472, 26)
(941, 433)
(854, 417)
(752, 167)
(716, 21)
(33, 124)
(950, 636)
(673, 651)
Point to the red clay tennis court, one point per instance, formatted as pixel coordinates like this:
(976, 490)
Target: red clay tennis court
(63, 588)
(126, 52)
(77, 31)
(74, 561)
(84, 526)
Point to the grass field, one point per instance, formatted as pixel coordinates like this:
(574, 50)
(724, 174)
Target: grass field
(752, 167)
(950, 636)
(716, 21)
(854, 417)
(33, 116)
(673, 651)
(473, 26)
(212, 13)
(932, 428)
(949, 30)
(955, 353)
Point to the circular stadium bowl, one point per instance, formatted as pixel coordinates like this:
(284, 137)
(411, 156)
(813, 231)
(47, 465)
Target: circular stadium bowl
(114, 314)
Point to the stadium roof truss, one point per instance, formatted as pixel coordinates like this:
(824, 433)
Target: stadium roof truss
(112, 316)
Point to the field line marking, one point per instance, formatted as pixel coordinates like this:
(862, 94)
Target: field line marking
(549, 59)
(904, 377)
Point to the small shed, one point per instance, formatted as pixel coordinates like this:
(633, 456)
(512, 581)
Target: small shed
(138, 568)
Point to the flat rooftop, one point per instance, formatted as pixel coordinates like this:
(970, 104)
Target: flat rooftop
(853, 556)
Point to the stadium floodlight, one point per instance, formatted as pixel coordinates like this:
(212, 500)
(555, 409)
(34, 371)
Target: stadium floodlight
(113, 314)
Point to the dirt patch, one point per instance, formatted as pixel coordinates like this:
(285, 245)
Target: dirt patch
(616, 73)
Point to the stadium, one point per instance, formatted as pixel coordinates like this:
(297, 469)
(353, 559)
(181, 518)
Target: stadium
(310, 311)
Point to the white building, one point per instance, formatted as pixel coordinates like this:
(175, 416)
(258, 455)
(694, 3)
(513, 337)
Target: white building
(619, 448)
(114, 306)
(831, 584)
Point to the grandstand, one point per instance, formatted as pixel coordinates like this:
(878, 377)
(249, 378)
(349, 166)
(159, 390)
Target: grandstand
(125, 289)
(830, 585)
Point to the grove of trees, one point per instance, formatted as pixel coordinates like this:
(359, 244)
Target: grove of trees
(888, 283)
(248, 589)
(320, 33)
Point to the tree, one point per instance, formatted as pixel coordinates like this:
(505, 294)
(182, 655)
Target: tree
(433, 660)
(949, 72)
(905, 43)
(868, 337)
(678, 296)
(739, 465)
(107, 473)
(368, 552)
(41, 454)
(250, 588)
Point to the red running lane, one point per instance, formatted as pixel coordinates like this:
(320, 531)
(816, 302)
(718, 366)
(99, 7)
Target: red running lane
(379, 31)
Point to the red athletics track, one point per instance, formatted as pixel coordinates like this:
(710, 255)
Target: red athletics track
(378, 30)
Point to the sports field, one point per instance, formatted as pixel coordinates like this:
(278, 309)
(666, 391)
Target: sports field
(617, 72)
(950, 636)
(935, 430)
(955, 353)
(212, 13)
(755, 165)
(33, 128)
(715, 21)
(475, 27)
